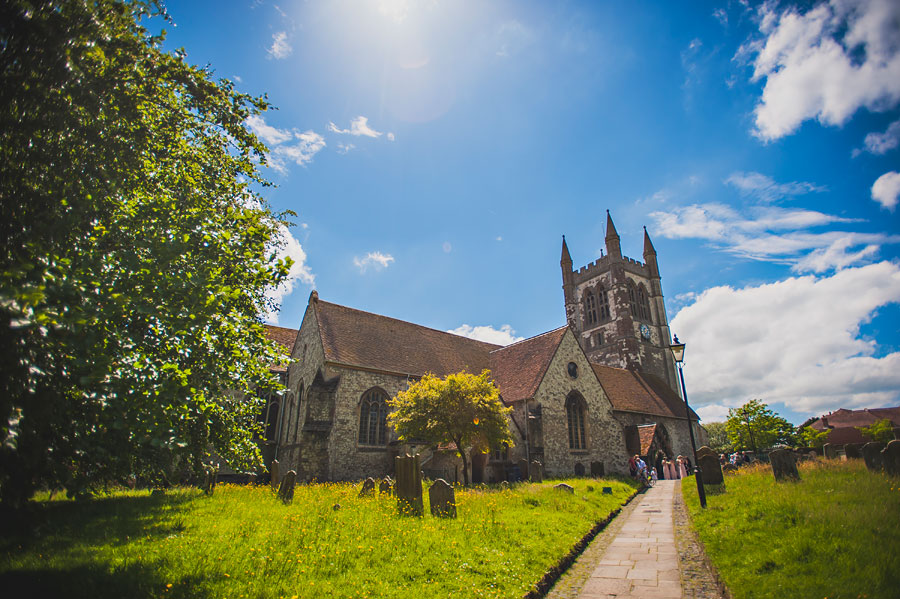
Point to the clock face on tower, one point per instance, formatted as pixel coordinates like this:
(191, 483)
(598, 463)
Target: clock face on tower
(645, 332)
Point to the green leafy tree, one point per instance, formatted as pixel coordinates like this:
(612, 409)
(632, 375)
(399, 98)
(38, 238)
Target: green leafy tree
(718, 437)
(881, 431)
(754, 426)
(136, 252)
(810, 437)
(462, 408)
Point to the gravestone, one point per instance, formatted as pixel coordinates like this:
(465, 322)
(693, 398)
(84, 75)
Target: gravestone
(597, 470)
(384, 487)
(784, 465)
(274, 474)
(890, 457)
(705, 450)
(442, 499)
(872, 455)
(286, 489)
(564, 487)
(607, 490)
(536, 470)
(710, 468)
(504, 485)
(513, 474)
(812, 455)
(829, 451)
(368, 488)
(210, 479)
(579, 469)
(853, 450)
(408, 488)
(523, 468)
(726, 468)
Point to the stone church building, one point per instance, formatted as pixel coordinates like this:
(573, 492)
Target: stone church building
(585, 396)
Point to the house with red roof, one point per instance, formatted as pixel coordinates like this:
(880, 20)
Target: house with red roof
(843, 425)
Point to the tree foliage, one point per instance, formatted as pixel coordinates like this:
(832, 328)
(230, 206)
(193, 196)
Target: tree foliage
(755, 427)
(136, 253)
(718, 437)
(881, 431)
(462, 408)
(810, 437)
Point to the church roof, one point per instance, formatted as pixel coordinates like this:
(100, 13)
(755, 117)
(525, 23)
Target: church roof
(285, 337)
(518, 369)
(634, 391)
(376, 342)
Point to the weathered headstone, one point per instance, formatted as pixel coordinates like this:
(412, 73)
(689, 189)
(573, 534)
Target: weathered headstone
(726, 468)
(385, 486)
(523, 468)
(408, 488)
(890, 457)
(368, 488)
(536, 470)
(597, 470)
(286, 489)
(853, 451)
(579, 469)
(784, 465)
(705, 450)
(564, 487)
(275, 475)
(442, 498)
(829, 451)
(710, 468)
(607, 490)
(872, 455)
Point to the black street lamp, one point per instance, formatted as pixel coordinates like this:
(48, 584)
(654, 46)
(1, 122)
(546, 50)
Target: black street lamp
(678, 353)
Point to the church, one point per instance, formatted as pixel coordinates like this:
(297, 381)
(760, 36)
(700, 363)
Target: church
(584, 397)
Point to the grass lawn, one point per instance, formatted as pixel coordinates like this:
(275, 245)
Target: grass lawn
(243, 542)
(835, 534)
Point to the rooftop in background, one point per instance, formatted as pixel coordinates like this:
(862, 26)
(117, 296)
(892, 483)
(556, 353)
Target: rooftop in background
(844, 424)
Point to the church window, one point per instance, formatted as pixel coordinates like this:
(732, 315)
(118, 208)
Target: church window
(603, 304)
(644, 304)
(575, 416)
(500, 454)
(373, 418)
(590, 307)
(632, 300)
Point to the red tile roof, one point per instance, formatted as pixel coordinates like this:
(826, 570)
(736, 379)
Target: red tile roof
(646, 433)
(285, 337)
(634, 391)
(852, 418)
(518, 369)
(367, 340)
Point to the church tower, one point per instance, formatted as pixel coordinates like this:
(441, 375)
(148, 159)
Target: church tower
(615, 306)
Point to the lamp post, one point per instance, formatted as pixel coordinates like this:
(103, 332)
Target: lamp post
(678, 353)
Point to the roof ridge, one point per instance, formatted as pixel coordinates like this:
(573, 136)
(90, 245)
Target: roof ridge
(529, 339)
(421, 326)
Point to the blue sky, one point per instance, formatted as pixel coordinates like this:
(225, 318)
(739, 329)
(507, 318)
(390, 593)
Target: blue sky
(436, 151)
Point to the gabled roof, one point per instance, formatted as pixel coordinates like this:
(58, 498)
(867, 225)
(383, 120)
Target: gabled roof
(852, 418)
(518, 369)
(634, 391)
(371, 341)
(286, 337)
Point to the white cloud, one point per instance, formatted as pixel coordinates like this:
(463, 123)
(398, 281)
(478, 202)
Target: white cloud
(882, 143)
(391, 136)
(721, 16)
(765, 189)
(307, 144)
(269, 134)
(502, 336)
(825, 63)
(376, 260)
(300, 271)
(343, 148)
(796, 341)
(280, 47)
(358, 126)
(886, 189)
(447, 247)
(836, 256)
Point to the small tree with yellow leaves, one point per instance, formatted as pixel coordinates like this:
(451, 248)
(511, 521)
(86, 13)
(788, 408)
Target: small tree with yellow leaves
(462, 408)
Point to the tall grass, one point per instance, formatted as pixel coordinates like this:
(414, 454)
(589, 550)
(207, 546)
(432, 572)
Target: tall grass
(834, 534)
(243, 542)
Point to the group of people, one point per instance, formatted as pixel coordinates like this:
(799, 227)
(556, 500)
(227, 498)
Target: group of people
(664, 468)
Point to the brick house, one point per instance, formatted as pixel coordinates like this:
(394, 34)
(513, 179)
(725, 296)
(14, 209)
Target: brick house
(843, 425)
(583, 395)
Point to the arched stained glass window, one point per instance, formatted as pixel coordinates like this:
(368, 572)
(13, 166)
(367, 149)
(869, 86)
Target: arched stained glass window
(373, 418)
(576, 412)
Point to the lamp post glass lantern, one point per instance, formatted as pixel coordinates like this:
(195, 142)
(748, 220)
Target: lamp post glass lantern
(678, 354)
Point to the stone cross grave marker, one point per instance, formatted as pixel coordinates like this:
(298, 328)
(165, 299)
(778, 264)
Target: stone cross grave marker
(890, 457)
(275, 474)
(784, 465)
(442, 498)
(368, 488)
(872, 455)
(710, 468)
(408, 488)
(564, 487)
(286, 489)
(384, 487)
(597, 470)
(536, 470)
